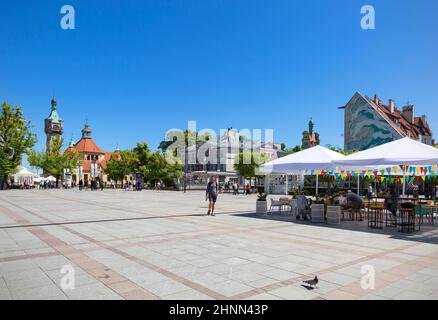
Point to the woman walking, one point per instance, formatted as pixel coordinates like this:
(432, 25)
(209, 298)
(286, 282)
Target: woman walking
(211, 195)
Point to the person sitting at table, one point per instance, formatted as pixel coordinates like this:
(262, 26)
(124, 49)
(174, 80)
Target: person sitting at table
(355, 203)
(391, 203)
(302, 207)
(342, 199)
(370, 192)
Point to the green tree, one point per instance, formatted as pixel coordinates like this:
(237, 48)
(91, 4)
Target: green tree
(154, 167)
(120, 165)
(158, 169)
(294, 149)
(190, 138)
(339, 149)
(247, 163)
(283, 147)
(16, 139)
(53, 160)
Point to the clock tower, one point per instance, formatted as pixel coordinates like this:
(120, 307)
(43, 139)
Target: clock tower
(53, 125)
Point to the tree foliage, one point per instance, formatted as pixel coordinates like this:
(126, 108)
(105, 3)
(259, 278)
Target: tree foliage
(120, 165)
(141, 160)
(154, 167)
(295, 149)
(53, 161)
(16, 139)
(339, 149)
(190, 138)
(247, 163)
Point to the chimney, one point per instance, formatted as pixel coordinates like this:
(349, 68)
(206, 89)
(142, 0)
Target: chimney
(424, 119)
(376, 99)
(408, 113)
(391, 105)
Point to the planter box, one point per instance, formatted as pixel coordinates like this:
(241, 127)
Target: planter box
(317, 213)
(261, 207)
(333, 214)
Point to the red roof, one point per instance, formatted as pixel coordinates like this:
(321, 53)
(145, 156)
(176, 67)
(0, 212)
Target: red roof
(87, 145)
(396, 119)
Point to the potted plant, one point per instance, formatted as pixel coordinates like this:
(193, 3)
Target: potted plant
(317, 209)
(261, 204)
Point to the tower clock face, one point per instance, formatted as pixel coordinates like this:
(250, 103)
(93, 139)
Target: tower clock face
(56, 127)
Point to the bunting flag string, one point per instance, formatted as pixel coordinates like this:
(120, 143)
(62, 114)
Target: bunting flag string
(395, 174)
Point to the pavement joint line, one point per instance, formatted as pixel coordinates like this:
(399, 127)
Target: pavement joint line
(57, 244)
(295, 280)
(292, 281)
(29, 256)
(108, 220)
(150, 266)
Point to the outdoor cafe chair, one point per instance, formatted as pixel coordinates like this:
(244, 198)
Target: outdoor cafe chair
(390, 219)
(275, 204)
(288, 204)
(422, 212)
(407, 220)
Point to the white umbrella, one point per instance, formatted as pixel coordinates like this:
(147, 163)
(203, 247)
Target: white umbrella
(310, 159)
(399, 152)
(51, 179)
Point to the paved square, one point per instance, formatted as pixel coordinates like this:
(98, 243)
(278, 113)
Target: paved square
(161, 245)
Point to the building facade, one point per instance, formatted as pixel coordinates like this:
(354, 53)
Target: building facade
(93, 158)
(369, 123)
(310, 137)
(53, 125)
(208, 158)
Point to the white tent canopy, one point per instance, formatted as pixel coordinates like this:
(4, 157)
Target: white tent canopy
(399, 152)
(310, 159)
(50, 179)
(23, 177)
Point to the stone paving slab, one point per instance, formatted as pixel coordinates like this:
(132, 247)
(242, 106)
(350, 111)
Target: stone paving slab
(161, 245)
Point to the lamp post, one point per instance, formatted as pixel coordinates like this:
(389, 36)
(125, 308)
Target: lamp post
(185, 170)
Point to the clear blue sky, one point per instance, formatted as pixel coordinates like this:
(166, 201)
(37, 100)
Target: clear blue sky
(138, 68)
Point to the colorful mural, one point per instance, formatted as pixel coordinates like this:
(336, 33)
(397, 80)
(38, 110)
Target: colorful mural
(365, 127)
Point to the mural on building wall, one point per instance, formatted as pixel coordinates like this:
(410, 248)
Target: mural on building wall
(364, 127)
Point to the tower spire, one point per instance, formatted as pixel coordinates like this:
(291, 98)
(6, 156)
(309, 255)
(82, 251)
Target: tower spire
(53, 124)
(54, 103)
(86, 132)
(72, 142)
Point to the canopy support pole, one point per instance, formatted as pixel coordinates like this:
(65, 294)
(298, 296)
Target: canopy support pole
(358, 184)
(286, 185)
(317, 182)
(404, 180)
